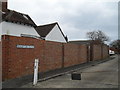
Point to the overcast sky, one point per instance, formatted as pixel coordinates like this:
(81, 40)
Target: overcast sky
(75, 17)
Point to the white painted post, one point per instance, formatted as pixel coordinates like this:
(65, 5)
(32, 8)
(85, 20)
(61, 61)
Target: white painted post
(35, 71)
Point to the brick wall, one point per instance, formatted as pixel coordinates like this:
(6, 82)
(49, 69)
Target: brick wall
(74, 56)
(18, 62)
(83, 54)
(70, 54)
(0, 61)
(105, 51)
(52, 55)
(100, 51)
(96, 52)
(5, 53)
(0, 50)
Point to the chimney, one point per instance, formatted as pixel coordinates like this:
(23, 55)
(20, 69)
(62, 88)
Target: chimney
(4, 5)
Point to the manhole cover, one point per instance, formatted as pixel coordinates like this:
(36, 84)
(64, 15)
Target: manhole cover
(76, 76)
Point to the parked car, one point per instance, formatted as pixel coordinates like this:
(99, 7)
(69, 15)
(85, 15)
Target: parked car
(111, 52)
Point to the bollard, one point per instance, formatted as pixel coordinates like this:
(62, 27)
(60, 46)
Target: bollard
(35, 72)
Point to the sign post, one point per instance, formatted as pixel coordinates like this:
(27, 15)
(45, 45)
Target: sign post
(35, 72)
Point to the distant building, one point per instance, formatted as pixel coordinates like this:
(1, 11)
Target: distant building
(80, 42)
(52, 32)
(88, 42)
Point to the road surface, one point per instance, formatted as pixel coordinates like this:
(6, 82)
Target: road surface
(103, 75)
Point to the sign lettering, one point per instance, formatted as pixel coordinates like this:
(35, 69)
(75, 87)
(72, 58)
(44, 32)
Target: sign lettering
(25, 46)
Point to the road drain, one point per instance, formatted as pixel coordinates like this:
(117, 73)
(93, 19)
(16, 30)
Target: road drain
(76, 76)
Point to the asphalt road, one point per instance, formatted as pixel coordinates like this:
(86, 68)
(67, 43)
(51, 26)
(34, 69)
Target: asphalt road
(103, 75)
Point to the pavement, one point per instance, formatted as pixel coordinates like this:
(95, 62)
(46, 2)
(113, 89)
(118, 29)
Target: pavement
(102, 75)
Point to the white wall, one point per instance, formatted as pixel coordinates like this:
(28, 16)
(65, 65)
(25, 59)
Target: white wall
(55, 35)
(14, 29)
(0, 30)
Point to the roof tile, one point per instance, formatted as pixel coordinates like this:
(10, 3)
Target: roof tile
(13, 16)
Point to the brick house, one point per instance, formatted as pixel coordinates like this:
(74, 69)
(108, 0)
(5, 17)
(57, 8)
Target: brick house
(15, 23)
(52, 32)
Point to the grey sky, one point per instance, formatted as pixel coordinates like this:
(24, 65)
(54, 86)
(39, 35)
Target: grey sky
(76, 17)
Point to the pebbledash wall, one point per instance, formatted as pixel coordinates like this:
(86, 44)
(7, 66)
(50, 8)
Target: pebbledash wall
(18, 62)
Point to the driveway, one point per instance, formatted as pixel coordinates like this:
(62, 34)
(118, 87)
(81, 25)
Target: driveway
(103, 75)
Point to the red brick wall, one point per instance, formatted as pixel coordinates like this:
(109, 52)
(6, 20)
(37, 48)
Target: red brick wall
(18, 62)
(0, 61)
(70, 54)
(0, 50)
(105, 51)
(83, 54)
(74, 56)
(97, 52)
(100, 51)
(5, 57)
(53, 55)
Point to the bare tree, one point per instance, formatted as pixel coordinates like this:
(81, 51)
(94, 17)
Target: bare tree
(97, 35)
(115, 44)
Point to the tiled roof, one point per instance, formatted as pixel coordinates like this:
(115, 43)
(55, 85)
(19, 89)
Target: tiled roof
(16, 17)
(44, 30)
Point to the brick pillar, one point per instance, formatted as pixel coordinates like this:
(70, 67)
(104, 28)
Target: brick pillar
(5, 57)
(62, 55)
(91, 52)
(101, 51)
